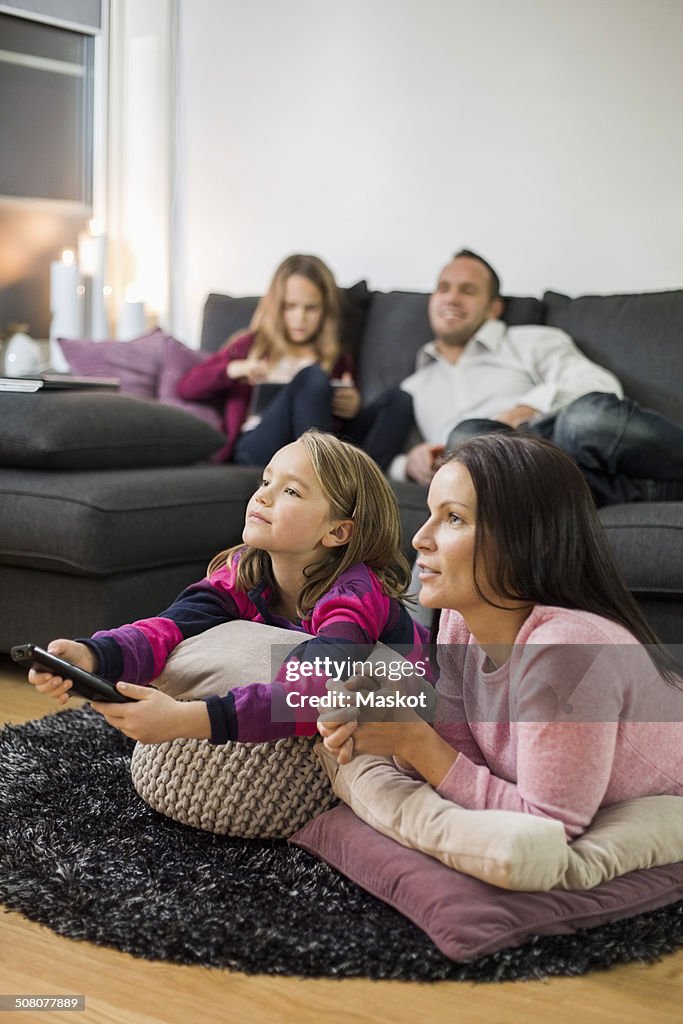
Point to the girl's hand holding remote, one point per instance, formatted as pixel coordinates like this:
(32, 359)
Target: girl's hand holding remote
(155, 717)
(55, 686)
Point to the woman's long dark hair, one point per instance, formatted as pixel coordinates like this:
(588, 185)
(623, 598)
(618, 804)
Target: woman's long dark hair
(539, 529)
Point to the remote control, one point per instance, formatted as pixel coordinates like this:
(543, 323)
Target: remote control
(85, 684)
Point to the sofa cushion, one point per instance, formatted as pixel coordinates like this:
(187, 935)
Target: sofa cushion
(638, 337)
(176, 360)
(226, 314)
(647, 540)
(135, 363)
(354, 304)
(146, 367)
(92, 523)
(49, 604)
(223, 316)
(412, 503)
(398, 325)
(98, 430)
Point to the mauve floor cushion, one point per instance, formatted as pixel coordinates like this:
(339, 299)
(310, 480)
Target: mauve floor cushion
(463, 916)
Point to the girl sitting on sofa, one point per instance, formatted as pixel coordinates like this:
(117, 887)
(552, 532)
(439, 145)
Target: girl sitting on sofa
(549, 703)
(321, 555)
(287, 373)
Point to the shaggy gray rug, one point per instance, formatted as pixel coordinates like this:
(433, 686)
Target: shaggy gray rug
(82, 854)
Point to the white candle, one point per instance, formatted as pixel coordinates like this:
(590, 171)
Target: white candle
(92, 260)
(65, 307)
(132, 321)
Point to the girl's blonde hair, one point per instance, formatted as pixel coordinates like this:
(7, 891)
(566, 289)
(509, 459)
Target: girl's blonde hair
(268, 322)
(356, 489)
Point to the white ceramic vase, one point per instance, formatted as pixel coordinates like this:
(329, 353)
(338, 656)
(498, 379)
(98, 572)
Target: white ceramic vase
(22, 356)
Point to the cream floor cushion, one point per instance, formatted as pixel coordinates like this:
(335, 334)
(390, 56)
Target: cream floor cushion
(509, 849)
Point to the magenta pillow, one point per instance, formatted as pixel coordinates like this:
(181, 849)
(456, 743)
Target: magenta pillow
(463, 916)
(135, 363)
(176, 360)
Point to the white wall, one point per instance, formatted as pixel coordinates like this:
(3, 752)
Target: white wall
(382, 134)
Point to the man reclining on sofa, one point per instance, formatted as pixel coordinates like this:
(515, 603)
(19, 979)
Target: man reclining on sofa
(478, 376)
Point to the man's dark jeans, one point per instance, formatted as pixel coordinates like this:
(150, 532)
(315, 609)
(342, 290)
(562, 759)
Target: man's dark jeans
(625, 452)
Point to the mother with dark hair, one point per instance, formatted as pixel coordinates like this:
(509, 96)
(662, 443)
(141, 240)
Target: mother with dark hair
(555, 697)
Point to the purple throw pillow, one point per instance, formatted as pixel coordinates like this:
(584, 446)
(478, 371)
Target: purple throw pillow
(463, 916)
(135, 363)
(176, 360)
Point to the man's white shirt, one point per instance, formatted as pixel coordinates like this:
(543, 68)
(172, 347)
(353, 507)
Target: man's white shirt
(500, 367)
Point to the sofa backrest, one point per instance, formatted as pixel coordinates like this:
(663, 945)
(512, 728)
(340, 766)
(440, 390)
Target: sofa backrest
(398, 325)
(638, 337)
(224, 315)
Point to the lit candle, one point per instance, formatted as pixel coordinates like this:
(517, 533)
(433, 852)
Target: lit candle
(64, 305)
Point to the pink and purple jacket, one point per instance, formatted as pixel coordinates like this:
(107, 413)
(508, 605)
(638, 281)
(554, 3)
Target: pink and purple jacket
(209, 380)
(576, 719)
(346, 622)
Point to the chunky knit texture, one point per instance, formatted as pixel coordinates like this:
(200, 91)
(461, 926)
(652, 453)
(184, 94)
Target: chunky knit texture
(252, 790)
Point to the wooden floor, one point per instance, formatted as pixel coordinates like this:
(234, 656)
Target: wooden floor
(120, 989)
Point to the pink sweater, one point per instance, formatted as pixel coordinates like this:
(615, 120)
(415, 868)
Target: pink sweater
(577, 718)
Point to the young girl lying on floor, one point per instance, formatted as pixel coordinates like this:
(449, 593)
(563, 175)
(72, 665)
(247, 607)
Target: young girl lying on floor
(549, 703)
(321, 555)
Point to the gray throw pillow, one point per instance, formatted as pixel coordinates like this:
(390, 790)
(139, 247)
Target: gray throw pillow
(99, 430)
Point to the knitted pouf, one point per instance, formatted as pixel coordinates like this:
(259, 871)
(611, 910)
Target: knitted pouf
(252, 790)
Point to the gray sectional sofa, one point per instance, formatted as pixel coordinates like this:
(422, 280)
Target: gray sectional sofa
(110, 504)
